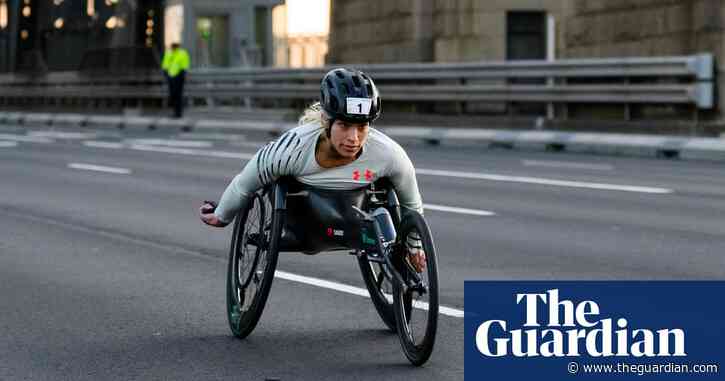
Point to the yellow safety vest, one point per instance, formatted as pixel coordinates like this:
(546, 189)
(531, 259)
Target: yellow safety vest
(175, 61)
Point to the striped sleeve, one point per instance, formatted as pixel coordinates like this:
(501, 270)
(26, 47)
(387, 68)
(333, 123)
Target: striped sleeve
(278, 158)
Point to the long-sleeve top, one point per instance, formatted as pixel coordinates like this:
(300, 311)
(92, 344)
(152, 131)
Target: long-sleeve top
(293, 154)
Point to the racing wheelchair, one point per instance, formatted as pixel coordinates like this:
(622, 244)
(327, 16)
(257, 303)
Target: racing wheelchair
(289, 216)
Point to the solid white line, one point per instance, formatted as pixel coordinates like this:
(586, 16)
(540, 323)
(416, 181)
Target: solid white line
(453, 209)
(99, 168)
(98, 144)
(448, 311)
(564, 164)
(542, 181)
(178, 249)
(8, 144)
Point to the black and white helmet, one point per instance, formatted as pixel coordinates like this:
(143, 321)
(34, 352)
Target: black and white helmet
(349, 95)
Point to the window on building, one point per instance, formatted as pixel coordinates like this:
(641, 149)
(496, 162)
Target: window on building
(526, 35)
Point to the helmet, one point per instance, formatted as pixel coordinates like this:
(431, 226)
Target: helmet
(349, 95)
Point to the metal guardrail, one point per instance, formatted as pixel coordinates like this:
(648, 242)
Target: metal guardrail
(652, 80)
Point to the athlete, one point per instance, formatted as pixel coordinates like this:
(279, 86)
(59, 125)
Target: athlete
(334, 147)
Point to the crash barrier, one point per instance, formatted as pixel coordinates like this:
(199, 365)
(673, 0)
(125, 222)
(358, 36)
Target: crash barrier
(685, 80)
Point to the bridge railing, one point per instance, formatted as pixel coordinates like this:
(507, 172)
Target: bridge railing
(685, 80)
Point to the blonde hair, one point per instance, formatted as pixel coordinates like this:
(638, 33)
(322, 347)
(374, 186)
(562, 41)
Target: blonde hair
(313, 114)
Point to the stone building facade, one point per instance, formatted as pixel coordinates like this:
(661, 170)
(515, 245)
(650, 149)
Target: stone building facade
(428, 30)
(473, 30)
(366, 31)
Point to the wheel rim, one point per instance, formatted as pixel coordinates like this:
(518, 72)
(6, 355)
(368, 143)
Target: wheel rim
(416, 307)
(381, 281)
(250, 260)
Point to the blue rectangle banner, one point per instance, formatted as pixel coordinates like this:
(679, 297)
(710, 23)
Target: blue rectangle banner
(594, 330)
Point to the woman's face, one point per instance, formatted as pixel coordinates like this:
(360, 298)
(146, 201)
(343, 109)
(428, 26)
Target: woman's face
(348, 138)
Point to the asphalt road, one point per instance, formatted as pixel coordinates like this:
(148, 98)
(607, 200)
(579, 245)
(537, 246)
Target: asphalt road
(108, 274)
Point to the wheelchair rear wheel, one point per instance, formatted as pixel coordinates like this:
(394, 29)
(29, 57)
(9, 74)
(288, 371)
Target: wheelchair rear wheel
(416, 326)
(252, 263)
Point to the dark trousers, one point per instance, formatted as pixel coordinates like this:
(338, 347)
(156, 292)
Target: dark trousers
(176, 93)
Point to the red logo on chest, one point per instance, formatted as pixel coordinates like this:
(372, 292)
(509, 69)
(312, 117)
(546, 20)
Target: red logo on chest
(369, 175)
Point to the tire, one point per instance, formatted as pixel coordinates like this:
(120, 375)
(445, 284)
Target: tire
(417, 327)
(251, 268)
(378, 285)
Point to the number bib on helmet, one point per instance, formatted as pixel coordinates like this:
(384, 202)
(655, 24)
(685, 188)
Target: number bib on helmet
(359, 106)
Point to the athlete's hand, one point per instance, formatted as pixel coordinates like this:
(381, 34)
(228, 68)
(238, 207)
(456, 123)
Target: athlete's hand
(206, 213)
(417, 259)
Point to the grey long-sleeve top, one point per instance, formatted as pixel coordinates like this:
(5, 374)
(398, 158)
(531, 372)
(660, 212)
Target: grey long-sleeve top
(293, 154)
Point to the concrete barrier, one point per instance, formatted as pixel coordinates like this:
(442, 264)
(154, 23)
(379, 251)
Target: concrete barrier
(104, 122)
(69, 120)
(599, 143)
(138, 123)
(37, 119)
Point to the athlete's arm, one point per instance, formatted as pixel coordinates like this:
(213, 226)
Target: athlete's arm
(276, 159)
(402, 174)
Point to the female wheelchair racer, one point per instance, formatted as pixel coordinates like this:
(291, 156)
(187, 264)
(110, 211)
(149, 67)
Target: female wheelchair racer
(334, 184)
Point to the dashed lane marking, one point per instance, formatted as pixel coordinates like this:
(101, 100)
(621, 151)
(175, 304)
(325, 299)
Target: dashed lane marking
(454, 209)
(543, 181)
(565, 164)
(99, 168)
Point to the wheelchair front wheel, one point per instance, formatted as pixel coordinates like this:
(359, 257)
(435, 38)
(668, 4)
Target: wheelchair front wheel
(252, 263)
(380, 289)
(416, 326)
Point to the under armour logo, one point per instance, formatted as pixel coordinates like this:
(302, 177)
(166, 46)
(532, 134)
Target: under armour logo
(369, 175)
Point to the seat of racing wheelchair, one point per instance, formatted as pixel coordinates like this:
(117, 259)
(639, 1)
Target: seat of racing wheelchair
(319, 220)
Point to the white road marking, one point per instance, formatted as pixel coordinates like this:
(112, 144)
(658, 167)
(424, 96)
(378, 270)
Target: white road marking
(419, 171)
(564, 164)
(99, 168)
(453, 209)
(62, 135)
(8, 144)
(448, 311)
(97, 144)
(192, 152)
(171, 143)
(210, 136)
(27, 139)
(543, 181)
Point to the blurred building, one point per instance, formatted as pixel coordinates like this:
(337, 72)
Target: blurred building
(55, 35)
(222, 33)
(473, 30)
(301, 29)
(375, 31)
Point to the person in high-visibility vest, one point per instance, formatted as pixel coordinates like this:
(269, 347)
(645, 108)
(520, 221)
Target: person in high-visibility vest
(175, 64)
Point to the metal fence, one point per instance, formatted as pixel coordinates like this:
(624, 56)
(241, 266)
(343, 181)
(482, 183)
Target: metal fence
(686, 80)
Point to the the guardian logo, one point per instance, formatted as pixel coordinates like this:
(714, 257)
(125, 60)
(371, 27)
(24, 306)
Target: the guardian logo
(581, 331)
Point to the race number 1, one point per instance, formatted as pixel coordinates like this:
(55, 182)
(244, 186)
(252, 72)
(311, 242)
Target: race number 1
(359, 106)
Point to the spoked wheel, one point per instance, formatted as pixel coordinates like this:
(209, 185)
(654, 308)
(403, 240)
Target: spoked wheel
(380, 289)
(417, 325)
(252, 262)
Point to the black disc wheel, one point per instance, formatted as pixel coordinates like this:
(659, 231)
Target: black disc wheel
(416, 326)
(380, 289)
(252, 263)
